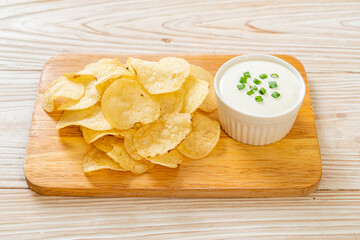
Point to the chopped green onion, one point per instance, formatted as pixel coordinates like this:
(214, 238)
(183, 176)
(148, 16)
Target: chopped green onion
(243, 79)
(251, 92)
(275, 94)
(257, 81)
(247, 75)
(274, 75)
(263, 76)
(258, 99)
(240, 86)
(262, 91)
(272, 84)
(253, 88)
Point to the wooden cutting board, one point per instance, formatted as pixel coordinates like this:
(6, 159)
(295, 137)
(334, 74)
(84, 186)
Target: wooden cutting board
(289, 167)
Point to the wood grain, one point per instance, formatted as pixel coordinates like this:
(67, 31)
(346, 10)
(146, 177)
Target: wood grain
(324, 215)
(290, 167)
(323, 34)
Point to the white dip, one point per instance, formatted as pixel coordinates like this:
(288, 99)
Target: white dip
(287, 85)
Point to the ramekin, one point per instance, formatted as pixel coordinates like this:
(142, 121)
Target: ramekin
(252, 129)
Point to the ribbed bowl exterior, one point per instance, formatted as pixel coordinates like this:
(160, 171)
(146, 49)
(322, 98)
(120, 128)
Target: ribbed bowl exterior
(254, 134)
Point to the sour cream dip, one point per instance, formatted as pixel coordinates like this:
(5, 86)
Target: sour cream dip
(258, 97)
(287, 86)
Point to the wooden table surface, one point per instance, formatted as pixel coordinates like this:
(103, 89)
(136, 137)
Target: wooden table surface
(324, 35)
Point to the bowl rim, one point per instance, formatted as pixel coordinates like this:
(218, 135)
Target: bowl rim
(267, 57)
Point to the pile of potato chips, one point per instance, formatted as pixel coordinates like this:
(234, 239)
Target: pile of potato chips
(138, 114)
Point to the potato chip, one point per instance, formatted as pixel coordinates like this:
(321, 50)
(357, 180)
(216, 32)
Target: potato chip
(114, 147)
(81, 78)
(125, 103)
(108, 68)
(171, 159)
(97, 160)
(129, 144)
(92, 135)
(195, 91)
(167, 75)
(119, 154)
(163, 135)
(61, 88)
(88, 69)
(106, 143)
(91, 97)
(92, 118)
(170, 102)
(209, 103)
(202, 139)
(129, 67)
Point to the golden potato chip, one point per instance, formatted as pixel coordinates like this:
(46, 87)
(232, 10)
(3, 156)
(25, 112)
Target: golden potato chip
(81, 78)
(108, 68)
(61, 88)
(125, 103)
(91, 97)
(167, 75)
(209, 103)
(106, 143)
(129, 144)
(119, 154)
(202, 139)
(195, 91)
(114, 147)
(91, 117)
(171, 159)
(162, 135)
(92, 135)
(97, 160)
(170, 102)
(88, 69)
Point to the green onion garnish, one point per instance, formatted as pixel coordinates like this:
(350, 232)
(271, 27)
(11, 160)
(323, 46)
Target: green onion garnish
(263, 76)
(258, 99)
(272, 84)
(240, 86)
(274, 75)
(243, 79)
(275, 94)
(251, 92)
(253, 88)
(247, 75)
(257, 81)
(262, 91)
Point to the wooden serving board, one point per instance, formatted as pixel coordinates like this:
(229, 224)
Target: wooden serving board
(289, 167)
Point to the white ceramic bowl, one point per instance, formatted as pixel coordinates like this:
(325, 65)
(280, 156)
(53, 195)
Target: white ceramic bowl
(252, 129)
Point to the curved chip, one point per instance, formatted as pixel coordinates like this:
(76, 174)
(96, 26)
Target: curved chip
(119, 154)
(88, 69)
(108, 68)
(129, 144)
(91, 97)
(92, 135)
(163, 135)
(114, 148)
(106, 143)
(167, 75)
(125, 103)
(202, 139)
(80, 78)
(171, 159)
(92, 118)
(195, 91)
(170, 102)
(209, 103)
(95, 160)
(61, 88)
